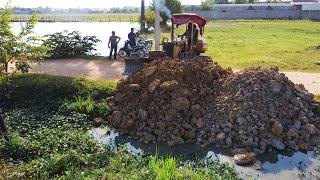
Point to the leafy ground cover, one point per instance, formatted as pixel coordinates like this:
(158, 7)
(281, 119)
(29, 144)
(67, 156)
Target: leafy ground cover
(49, 118)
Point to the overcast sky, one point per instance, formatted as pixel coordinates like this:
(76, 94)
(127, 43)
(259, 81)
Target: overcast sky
(84, 3)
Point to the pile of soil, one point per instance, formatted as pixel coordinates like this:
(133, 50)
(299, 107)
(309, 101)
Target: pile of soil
(200, 102)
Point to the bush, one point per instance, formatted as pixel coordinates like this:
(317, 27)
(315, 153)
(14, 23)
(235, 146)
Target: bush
(45, 89)
(17, 148)
(70, 44)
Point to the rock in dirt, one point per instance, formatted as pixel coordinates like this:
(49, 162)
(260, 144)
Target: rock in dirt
(243, 158)
(97, 121)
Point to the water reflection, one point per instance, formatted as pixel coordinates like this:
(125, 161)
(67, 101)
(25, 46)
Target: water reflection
(296, 165)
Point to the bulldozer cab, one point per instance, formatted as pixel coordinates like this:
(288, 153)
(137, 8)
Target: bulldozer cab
(188, 43)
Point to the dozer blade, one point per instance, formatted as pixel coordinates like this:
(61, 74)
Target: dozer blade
(134, 64)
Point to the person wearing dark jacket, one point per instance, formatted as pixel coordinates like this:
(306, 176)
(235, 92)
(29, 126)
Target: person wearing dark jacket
(132, 38)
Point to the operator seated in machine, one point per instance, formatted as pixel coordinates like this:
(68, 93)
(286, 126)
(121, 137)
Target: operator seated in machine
(188, 35)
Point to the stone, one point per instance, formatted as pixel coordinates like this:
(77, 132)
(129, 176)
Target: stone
(116, 118)
(310, 128)
(229, 141)
(153, 85)
(181, 103)
(200, 123)
(142, 114)
(243, 158)
(110, 99)
(134, 87)
(277, 129)
(221, 136)
(169, 85)
(277, 144)
(149, 71)
(97, 121)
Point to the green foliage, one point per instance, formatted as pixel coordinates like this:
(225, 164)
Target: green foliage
(317, 97)
(43, 89)
(70, 44)
(241, 1)
(207, 5)
(163, 169)
(87, 105)
(17, 148)
(19, 49)
(149, 15)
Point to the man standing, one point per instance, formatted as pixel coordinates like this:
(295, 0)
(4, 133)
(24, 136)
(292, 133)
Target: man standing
(132, 38)
(113, 40)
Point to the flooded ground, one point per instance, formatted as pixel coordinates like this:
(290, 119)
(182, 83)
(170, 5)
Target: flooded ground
(287, 165)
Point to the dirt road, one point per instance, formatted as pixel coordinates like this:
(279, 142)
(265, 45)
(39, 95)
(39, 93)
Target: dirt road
(113, 70)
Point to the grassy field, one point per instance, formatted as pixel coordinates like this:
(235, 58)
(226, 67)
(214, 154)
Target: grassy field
(49, 118)
(112, 17)
(291, 45)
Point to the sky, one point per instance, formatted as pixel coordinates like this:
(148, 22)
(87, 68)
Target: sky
(84, 3)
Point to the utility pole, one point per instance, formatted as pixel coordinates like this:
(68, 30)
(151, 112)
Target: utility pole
(143, 18)
(157, 24)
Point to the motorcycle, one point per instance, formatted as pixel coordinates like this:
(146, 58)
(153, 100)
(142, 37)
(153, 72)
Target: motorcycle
(141, 50)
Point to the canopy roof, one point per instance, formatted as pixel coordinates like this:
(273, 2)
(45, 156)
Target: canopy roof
(184, 18)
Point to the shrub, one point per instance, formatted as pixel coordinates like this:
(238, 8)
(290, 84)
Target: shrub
(17, 148)
(70, 44)
(45, 89)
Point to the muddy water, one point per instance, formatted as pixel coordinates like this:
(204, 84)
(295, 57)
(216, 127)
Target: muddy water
(269, 166)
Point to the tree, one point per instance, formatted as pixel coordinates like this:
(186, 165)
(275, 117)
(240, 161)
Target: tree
(207, 5)
(150, 17)
(241, 1)
(21, 48)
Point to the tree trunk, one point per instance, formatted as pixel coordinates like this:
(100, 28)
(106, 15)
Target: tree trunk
(6, 67)
(143, 18)
(3, 128)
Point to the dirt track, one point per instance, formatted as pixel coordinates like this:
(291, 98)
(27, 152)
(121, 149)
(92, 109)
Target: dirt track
(113, 70)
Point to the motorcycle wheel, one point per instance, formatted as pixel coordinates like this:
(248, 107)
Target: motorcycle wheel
(122, 53)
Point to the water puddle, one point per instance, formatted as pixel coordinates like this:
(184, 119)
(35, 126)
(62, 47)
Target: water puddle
(269, 166)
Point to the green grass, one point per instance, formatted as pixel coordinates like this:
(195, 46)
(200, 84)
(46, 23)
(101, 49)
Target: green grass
(112, 17)
(49, 139)
(291, 45)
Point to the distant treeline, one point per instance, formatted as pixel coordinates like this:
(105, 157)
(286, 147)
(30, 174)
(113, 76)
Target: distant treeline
(110, 17)
(47, 10)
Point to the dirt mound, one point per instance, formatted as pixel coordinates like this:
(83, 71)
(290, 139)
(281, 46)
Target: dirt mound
(261, 107)
(200, 102)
